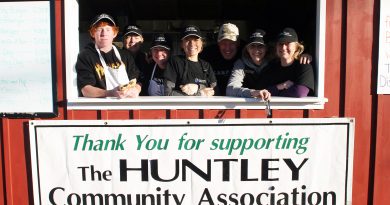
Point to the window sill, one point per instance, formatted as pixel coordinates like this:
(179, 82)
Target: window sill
(186, 102)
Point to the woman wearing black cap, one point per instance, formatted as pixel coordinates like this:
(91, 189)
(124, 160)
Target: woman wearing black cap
(154, 75)
(189, 75)
(102, 69)
(287, 77)
(245, 79)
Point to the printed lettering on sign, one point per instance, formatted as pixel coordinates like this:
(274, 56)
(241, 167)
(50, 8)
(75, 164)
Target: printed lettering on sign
(192, 162)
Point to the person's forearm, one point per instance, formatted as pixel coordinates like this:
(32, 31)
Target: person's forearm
(94, 92)
(297, 91)
(238, 92)
(169, 89)
(177, 93)
(234, 87)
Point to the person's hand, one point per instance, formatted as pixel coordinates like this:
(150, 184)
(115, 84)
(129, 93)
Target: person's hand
(285, 85)
(120, 94)
(189, 89)
(207, 92)
(132, 92)
(126, 92)
(263, 94)
(114, 92)
(305, 58)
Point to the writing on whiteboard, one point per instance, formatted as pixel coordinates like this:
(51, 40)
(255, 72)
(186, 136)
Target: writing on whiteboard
(25, 57)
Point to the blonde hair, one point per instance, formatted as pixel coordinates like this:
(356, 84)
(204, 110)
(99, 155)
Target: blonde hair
(93, 29)
(299, 51)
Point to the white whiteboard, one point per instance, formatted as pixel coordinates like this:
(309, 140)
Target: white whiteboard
(383, 86)
(26, 59)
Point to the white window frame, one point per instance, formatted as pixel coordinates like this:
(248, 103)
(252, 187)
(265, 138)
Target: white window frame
(71, 16)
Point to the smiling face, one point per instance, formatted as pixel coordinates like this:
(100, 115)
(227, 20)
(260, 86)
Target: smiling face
(192, 46)
(103, 34)
(257, 52)
(286, 51)
(228, 48)
(160, 56)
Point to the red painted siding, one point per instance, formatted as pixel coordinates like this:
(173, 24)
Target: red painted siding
(382, 152)
(358, 96)
(333, 60)
(15, 145)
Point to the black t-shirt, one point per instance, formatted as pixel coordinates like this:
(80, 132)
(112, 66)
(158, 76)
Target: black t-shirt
(300, 74)
(90, 71)
(140, 60)
(182, 71)
(222, 67)
(255, 79)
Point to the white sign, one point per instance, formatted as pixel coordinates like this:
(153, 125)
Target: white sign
(25, 57)
(194, 162)
(383, 86)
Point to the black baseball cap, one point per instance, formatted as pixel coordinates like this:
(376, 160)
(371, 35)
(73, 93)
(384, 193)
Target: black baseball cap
(288, 35)
(103, 17)
(191, 30)
(162, 41)
(257, 37)
(133, 29)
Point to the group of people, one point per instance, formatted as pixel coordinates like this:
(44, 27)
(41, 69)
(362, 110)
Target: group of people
(230, 67)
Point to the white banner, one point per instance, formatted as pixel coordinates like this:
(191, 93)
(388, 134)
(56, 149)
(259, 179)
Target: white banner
(193, 162)
(383, 86)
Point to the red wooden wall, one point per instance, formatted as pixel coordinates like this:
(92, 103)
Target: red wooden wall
(350, 86)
